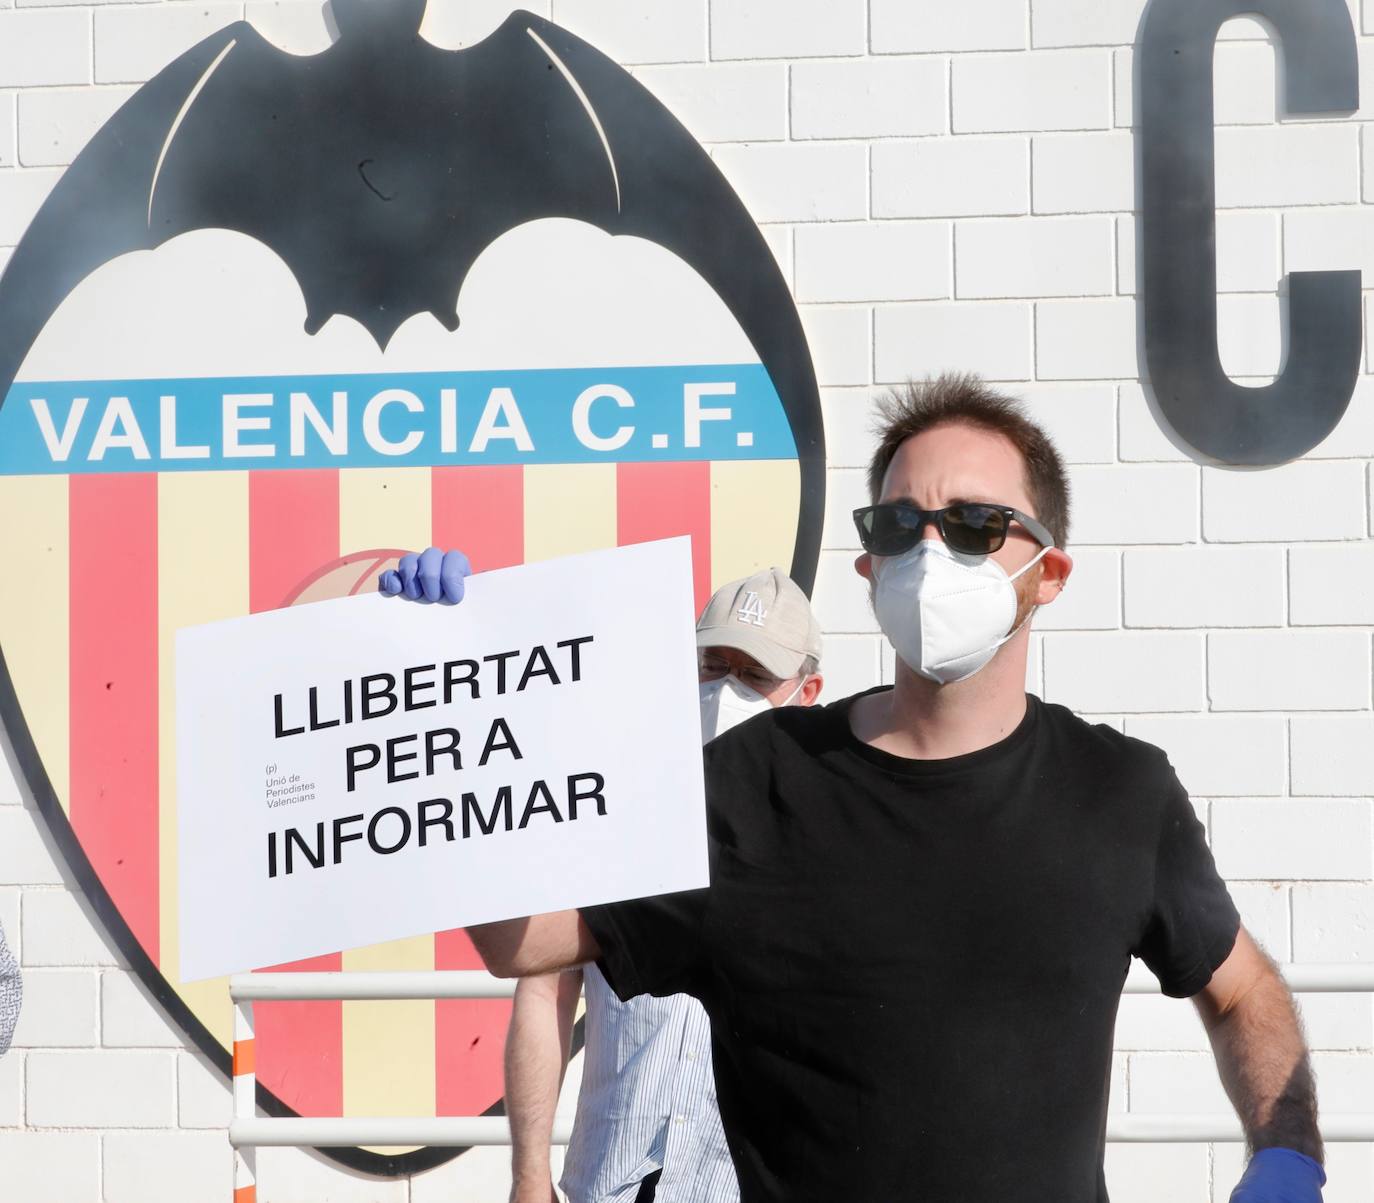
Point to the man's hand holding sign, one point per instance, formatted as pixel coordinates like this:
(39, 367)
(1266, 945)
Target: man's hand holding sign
(462, 765)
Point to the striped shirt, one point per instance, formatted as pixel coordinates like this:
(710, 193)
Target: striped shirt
(12, 993)
(648, 1101)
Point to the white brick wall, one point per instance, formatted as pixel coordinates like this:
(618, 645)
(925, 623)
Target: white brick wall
(1265, 838)
(957, 177)
(1080, 418)
(1083, 173)
(899, 26)
(1048, 257)
(54, 124)
(945, 186)
(1319, 502)
(151, 1167)
(1083, 22)
(1058, 89)
(1332, 585)
(40, 49)
(920, 339)
(1288, 670)
(841, 343)
(103, 1089)
(1328, 754)
(869, 98)
(887, 261)
(1204, 587)
(51, 1167)
(7, 131)
(1121, 673)
(1106, 509)
(1254, 165)
(788, 28)
(1085, 340)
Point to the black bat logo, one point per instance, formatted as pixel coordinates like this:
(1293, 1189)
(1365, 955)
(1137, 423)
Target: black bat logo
(379, 171)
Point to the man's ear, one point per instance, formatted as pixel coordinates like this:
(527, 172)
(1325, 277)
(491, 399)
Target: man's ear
(811, 690)
(1054, 575)
(863, 565)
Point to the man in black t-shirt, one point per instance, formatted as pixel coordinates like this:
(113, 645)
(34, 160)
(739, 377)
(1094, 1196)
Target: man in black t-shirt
(924, 899)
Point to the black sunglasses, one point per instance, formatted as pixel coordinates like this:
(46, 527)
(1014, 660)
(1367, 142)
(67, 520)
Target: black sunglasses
(974, 528)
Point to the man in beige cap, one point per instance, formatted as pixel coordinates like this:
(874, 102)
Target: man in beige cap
(758, 647)
(647, 1126)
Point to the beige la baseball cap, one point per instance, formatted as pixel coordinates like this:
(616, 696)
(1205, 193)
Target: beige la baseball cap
(765, 616)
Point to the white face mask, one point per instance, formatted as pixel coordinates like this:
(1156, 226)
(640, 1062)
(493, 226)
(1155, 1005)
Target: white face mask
(728, 702)
(946, 614)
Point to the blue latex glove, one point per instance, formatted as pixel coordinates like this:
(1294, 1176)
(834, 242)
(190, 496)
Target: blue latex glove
(1280, 1176)
(431, 576)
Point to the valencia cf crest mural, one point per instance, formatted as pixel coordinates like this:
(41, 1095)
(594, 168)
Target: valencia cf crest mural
(286, 316)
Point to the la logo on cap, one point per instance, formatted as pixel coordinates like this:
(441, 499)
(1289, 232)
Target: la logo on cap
(752, 611)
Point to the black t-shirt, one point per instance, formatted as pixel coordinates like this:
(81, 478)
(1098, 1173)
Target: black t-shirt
(912, 967)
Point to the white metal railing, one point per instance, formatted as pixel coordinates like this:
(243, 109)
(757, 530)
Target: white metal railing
(247, 1132)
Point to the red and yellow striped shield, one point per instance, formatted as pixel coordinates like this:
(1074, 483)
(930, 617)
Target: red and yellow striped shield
(175, 448)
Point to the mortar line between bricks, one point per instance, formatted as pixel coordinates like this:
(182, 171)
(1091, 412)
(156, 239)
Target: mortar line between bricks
(871, 333)
(953, 260)
(787, 94)
(949, 96)
(1292, 928)
(868, 182)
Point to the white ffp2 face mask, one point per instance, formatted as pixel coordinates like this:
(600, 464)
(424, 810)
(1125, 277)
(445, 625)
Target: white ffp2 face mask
(946, 614)
(728, 702)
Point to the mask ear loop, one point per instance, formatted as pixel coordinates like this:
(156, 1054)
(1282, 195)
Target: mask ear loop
(800, 686)
(1010, 635)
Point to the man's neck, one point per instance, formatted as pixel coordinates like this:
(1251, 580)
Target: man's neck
(921, 720)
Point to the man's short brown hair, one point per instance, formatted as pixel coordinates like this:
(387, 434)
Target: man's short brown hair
(964, 399)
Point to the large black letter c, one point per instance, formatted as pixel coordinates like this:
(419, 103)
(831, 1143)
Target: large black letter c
(1219, 418)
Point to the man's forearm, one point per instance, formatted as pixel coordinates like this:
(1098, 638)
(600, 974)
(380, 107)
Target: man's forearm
(537, 1049)
(1263, 1062)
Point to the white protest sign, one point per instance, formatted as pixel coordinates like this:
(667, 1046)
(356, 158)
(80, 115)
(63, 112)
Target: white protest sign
(366, 769)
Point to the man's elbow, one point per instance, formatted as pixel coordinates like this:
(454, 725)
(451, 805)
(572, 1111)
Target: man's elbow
(499, 946)
(533, 945)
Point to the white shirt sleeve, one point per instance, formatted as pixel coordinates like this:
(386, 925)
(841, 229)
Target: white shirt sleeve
(11, 993)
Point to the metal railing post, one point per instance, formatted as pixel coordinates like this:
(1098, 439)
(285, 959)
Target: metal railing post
(245, 1100)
